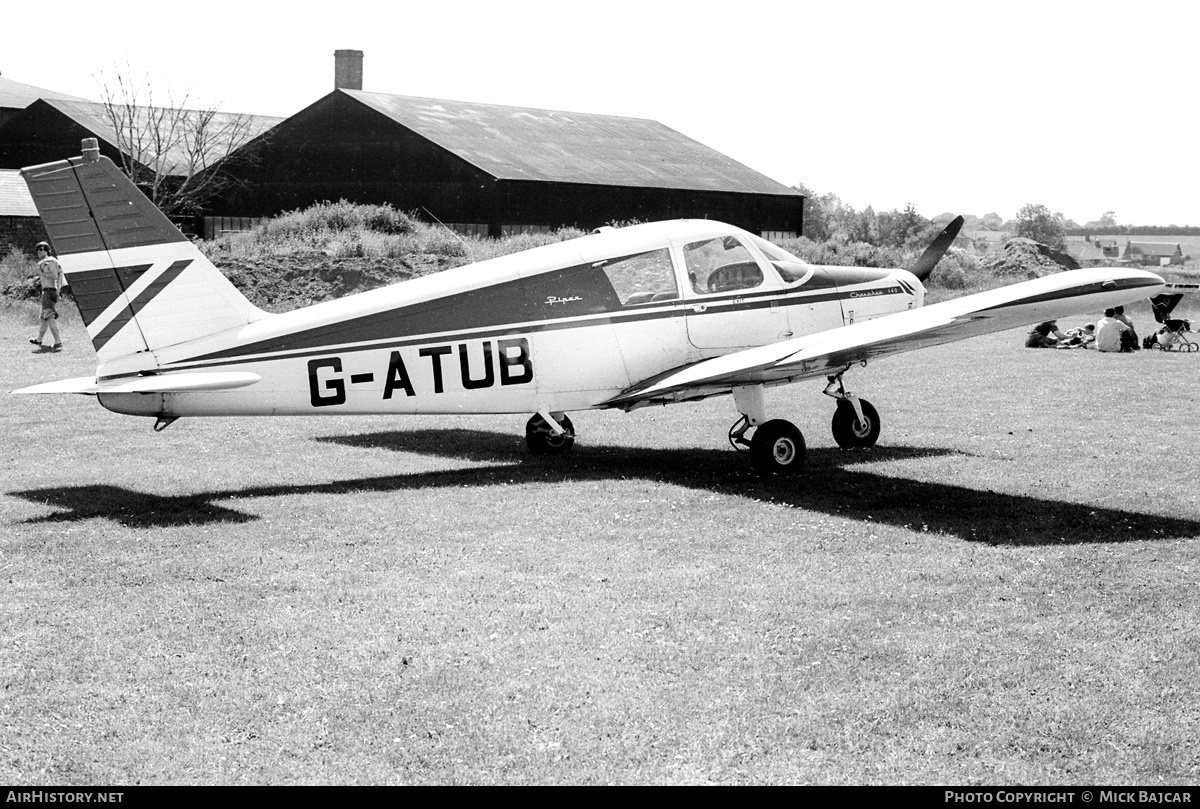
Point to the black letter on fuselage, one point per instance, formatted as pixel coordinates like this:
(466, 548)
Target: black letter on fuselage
(489, 374)
(436, 353)
(507, 362)
(338, 386)
(397, 377)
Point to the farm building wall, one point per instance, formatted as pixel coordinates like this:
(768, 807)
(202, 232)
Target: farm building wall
(339, 149)
(20, 232)
(42, 134)
(590, 206)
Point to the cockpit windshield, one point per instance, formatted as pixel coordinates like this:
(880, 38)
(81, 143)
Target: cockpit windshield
(792, 269)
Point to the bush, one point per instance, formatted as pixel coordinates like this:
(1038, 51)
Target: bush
(849, 254)
(18, 276)
(955, 271)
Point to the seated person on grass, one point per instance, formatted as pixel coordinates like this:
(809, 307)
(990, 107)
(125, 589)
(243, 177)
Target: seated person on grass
(1044, 335)
(1082, 337)
(1112, 334)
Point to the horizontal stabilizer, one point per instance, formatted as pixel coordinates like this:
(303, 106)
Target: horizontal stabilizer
(153, 383)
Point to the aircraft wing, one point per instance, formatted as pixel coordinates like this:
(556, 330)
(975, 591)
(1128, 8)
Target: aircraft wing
(1076, 292)
(151, 383)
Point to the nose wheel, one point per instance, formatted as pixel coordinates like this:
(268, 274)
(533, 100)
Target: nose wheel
(855, 421)
(851, 431)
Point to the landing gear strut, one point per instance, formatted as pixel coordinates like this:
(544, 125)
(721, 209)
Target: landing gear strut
(549, 434)
(777, 446)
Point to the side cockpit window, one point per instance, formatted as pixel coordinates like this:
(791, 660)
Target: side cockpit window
(790, 268)
(721, 264)
(642, 278)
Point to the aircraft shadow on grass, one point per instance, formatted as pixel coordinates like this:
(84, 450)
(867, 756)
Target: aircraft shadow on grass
(831, 485)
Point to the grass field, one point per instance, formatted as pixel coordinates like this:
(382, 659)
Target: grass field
(1004, 591)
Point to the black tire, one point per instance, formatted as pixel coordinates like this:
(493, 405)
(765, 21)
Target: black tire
(542, 440)
(777, 448)
(849, 432)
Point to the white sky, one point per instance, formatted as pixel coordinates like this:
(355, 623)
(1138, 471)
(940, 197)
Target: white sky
(1083, 106)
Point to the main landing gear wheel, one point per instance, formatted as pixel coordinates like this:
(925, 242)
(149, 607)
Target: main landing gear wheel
(851, 433)
(777, 448)
(543, 441)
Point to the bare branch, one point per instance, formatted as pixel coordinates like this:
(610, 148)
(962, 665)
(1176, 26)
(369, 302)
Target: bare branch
(171, 152)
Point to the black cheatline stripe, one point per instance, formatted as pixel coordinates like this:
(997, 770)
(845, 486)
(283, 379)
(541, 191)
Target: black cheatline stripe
(678, 309)
(504, 330)
(395, 318)
(139, 303)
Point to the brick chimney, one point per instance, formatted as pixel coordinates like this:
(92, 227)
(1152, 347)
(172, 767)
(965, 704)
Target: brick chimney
(347, 70)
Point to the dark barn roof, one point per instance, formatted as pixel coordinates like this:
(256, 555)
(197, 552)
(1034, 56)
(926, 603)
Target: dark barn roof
(15, 199)
(16, 96)
(465, 162)
(51, 129)
(518, 143)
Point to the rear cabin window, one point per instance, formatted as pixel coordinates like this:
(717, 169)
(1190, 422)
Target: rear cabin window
(722, 264)
(642, 278)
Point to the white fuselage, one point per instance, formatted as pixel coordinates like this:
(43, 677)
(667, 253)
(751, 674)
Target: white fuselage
(560, 328)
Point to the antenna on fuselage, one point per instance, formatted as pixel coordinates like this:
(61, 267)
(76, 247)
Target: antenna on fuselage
(470, 252)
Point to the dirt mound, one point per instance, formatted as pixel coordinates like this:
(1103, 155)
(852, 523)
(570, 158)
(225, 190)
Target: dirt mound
(1025, 258)
(280, 284)
(289, 282)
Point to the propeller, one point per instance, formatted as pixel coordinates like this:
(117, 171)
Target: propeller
(936, 249)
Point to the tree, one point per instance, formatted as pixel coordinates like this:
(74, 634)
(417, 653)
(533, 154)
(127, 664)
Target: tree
(863, 227)
(992, 221)
(897, 228)
(1037, 223)
(1109, 220)
(816, 220)
(175, 155)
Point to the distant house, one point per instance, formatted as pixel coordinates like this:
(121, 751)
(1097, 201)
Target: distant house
(983, 240)
(1091, 253)
(1154, 254)
(20, 226)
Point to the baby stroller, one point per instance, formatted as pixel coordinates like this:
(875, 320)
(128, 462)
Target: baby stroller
(1173, 336)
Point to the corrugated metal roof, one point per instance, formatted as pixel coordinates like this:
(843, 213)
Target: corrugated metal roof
(14, 195)
(91, 116)
(518, 143)
(16, 95)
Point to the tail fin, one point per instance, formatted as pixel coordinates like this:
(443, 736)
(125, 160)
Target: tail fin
(140, 284)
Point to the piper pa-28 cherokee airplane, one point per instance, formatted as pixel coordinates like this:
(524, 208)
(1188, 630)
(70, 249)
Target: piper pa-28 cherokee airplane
(655, 313)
